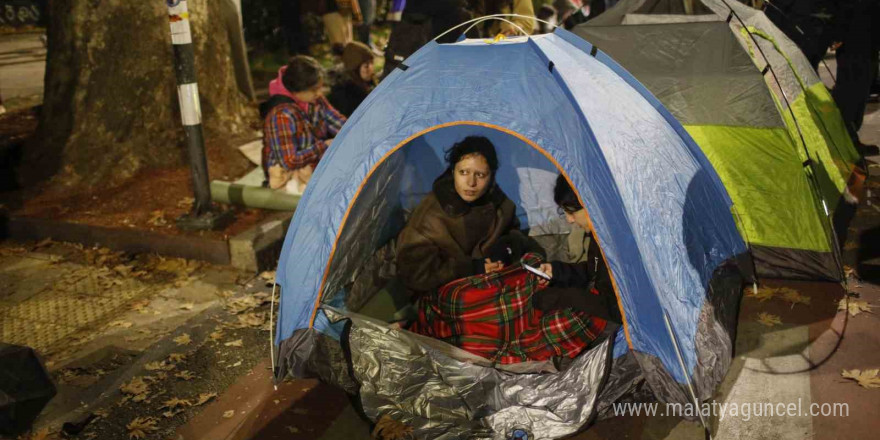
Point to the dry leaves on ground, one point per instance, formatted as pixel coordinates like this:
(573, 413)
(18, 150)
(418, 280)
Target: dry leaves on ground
(172, 412)
(159, 365)
(251, 320)
(235, 343)
(183, 339)
(786, 294)
(768, 319)
(185, 203)
(854, 306)
(390, 429)
(794, 297)
(136, 389)
(228, 414)
(866, 378)
(216, 335)
(187, 306)
(141, 426)
(175, 403)
(185, 375)
(157, 218)
(204, 398)
(120, 323)
(176, 357)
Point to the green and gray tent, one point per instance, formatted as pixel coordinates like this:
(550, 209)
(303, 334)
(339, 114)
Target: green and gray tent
(762, 116)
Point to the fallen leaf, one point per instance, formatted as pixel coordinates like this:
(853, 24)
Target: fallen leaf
(235, 343)
(120, 323)
(136, 386)
(176, 357)
(293, 429)
(175, 403)
(183, 339)
(251, 320)
(204, 398)
(794, 297)
(185, 202)
(390, 429)
(157, 218)
(159, 365)
(141, 426)
(228, 414)
(235, 365)
(763, 294)
(768, 319)
(187, 306)
(185, 375)
(867, 378)
(239, 305)
(171, 413)
(216, 336)
(854, 306)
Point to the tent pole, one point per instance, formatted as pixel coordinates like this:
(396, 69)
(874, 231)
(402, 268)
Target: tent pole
(686, 376)
(272, 334)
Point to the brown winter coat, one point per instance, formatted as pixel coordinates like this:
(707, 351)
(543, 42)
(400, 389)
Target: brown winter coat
(446, 238)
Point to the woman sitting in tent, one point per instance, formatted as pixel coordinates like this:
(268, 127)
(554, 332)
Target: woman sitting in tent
(456, 253)
(457, 230)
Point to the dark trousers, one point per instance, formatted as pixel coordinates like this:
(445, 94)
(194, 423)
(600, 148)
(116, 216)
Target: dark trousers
(856, 65)
(368, 11)
(292, 27)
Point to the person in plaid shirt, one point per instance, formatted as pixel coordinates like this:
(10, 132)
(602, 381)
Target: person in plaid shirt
(300, 125)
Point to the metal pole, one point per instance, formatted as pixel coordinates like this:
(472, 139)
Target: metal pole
(202, 215)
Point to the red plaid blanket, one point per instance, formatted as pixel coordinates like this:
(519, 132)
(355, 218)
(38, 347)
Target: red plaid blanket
(492, 316)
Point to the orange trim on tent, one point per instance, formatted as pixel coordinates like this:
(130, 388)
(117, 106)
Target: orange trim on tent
(481, 124)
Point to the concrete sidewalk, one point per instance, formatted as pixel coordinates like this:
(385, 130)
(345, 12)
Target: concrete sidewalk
(22, 69)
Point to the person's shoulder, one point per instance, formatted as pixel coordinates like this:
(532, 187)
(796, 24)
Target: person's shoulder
(283, 109)
(428, 210)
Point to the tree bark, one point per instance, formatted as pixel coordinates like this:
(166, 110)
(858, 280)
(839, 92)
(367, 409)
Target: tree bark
(110, 104)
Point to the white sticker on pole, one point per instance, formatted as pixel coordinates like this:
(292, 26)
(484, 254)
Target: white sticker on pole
(190, 109)
(178, 18)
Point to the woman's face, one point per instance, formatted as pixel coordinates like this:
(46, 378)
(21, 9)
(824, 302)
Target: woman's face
(472, 177)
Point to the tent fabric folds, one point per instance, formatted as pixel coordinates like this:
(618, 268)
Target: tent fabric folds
(551, 104)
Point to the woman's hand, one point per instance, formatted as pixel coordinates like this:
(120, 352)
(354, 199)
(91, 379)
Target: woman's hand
(546, 268)
(493, 266)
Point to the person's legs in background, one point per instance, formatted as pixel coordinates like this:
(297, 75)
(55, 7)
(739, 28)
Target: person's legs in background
(368, 11)
(292, 26)
(855, 59)
(337, 26)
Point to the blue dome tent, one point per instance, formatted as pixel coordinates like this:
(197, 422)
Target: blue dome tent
(550, 103)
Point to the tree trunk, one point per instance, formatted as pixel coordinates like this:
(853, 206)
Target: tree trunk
(110, 103)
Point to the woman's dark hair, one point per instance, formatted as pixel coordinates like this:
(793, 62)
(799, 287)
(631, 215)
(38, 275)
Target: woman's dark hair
(302, 73)
(564, 196)
(473, 145)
